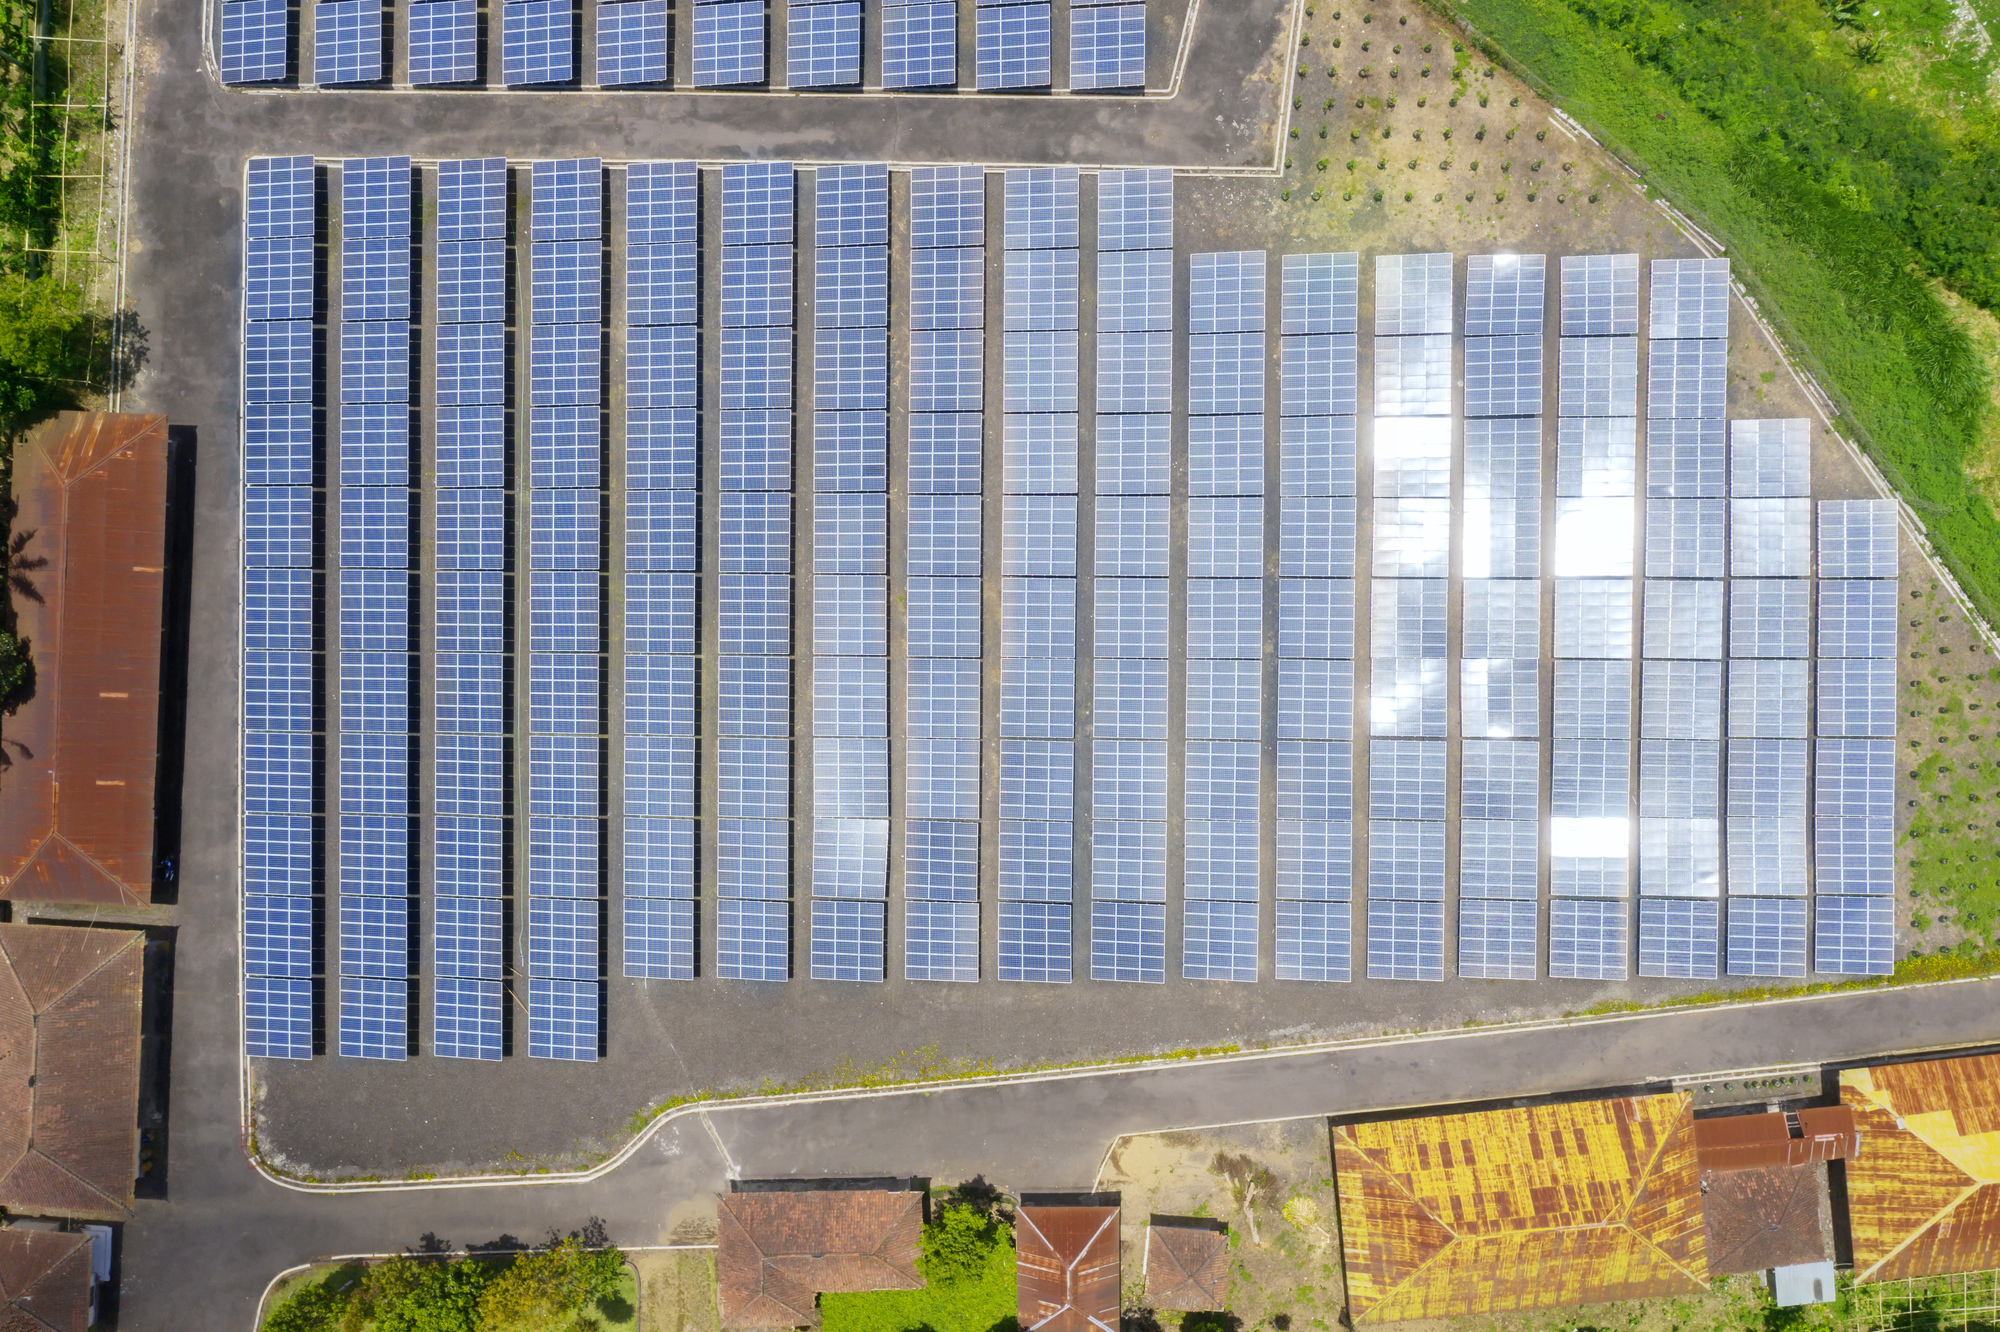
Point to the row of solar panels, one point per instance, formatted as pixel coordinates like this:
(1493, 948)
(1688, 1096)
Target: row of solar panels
(823, 39)
(1038, 537)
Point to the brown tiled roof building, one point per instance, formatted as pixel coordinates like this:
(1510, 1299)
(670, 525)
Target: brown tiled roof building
(1923, 1196)
(1763, 1218)
(1187, 1267)
(775, 1252)
(76, 801)
(69, 1070)
(44, 1281)
(1066, 1268)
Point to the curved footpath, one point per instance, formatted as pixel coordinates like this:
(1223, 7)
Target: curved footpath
(200, 1259)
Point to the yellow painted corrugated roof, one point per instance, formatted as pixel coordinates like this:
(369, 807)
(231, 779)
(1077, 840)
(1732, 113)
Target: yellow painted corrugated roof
(1923, 1197)
(1519, 1209)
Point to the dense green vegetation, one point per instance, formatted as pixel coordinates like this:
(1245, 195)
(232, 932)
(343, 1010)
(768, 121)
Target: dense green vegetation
(968, 1263)
(565, 1287)
(1840, 202)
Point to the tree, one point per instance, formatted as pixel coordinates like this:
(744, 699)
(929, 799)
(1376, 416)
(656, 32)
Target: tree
(957, 1245)
(39, 318)
(314, 1308)
(549, 1288)
(446, 1297)
(17, 669)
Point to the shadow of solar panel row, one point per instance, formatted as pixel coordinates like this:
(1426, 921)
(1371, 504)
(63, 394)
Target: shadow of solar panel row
(374, 769)
(565, 666)
(1129, 759)
(281, 830)
(661, 521)
(1319, 296)
(753, 688)
(943, 563)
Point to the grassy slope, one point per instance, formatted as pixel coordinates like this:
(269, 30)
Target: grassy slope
(1838, 281)
(983, 1305)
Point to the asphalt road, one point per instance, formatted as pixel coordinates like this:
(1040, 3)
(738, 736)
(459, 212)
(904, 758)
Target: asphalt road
(201, 1260)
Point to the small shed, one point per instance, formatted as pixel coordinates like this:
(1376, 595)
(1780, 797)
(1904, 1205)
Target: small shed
(1187, 1264)
(1066, 1262)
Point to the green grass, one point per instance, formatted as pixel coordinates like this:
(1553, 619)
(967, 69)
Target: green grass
(1668, 85)
(982, 1303)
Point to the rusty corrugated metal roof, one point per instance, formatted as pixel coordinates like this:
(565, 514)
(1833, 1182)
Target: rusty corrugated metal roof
(1187, 1267)
(1066, 1268)
(1923, 1197)
(1764, 1217)
(76, 798)
(69, 1030)
(775, 1252)
(1520, 1209)
(1751, 1142)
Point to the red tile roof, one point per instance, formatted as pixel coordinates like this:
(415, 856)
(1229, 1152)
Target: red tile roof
(1187, 1267)
(69, 1031)
(775, 1252)
(44, 1281)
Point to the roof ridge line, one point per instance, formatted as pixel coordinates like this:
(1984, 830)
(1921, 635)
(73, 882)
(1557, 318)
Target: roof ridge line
(1935, 1217)
(1624, 1214)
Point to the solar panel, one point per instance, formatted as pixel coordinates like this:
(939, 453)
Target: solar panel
(1038, 536)
(944, 617)
(850, 615)
(754, 696)
(1680, 857)
(729, 44)
(1315, 780)
(632, 43)
(1770, 538)
(1035, 862)
(1854, 935)
(1012, 47)
(1496, 939)
(1315, 618)
(1504, 295)
(848, 940)
(374, 1017)
(535, 42)
(1135, 210)
(1595, 457)
(1134, 372)
(1499, 779)
(1314, 940)
(1767, 779)
(1857, 618)
(1678, 938)
(1767, 858)
(1412, 294)
(1406, 779)
(1593, 617)
(563, 1018)
(1128, 941)
(1597, 377)
(1767, 699)
(1686, 538)
(920, 50)
(444, 42)
(1413, 457)
(278, 361)
(1857, 696)
(753, 940)
(1318, 375)
(1407, 617)
(1498, 860)
(1690, 298)
(1038, 698)
(1035, 941)
(1683, 619)
(850, 858)
(1685, 458)
(943, 778)
(1405, 940)
(278, 277)
(755, 615)
(823, 47)
(1503, 375)
(1040, 208)
(1320, 293)
(947, 206)
(347, 42)
(1315, 699)
(1225, 617)
(1315, 860)
(1600, 295)
(659, 613)
(1687, 377)
(1107, 47)
(1590, 780)
(752, 861)
(850, 369)
(659, 858)
(1589, 939)
(1412, 538)
(850, 533)
(256, 41)
(1218, 938)
(1680, 778)
(1857, 539)
(566, 284)
(1500, 698)
(1854, 855)
(1768, 617)
(1767, 937)
(1770, 459)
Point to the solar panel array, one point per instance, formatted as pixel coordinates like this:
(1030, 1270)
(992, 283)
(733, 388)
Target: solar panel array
(754, 747)
(1038, 571)
(1107, 46)
(1318, 400)
(537, 42)
(1135, 321)
(662, 520)
(942, 587)
(1590, 823)
(728, 43)
(1411, 561)
(1854, 763)
(347, 42)
(377, 585)
(256, 41)
(850, 654)
(919, 44)
(823, 44)
(566, 605)
(471, 665)
(281, 587)
(1221, 809)
(1500, 647)
(632, 44)
(1011, 45)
